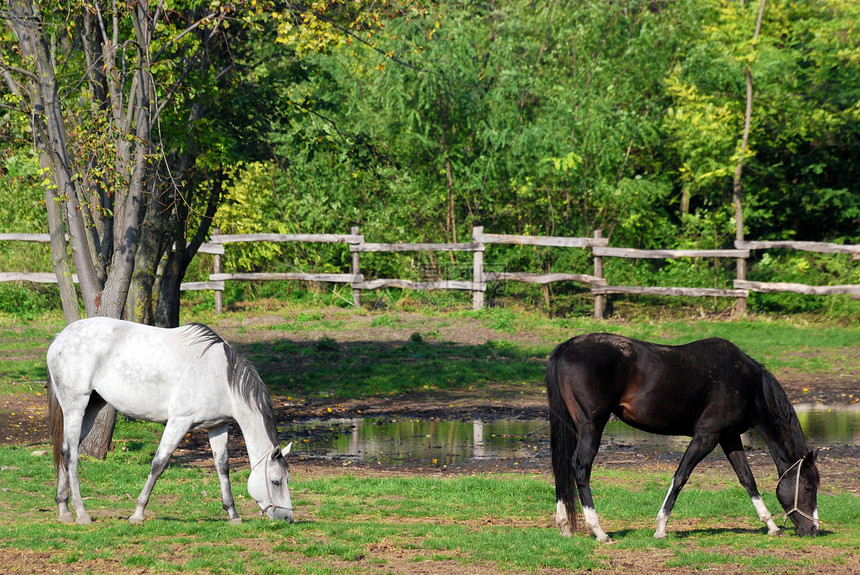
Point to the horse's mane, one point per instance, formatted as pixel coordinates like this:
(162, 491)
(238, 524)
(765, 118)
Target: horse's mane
(779, 408)
(242, 377)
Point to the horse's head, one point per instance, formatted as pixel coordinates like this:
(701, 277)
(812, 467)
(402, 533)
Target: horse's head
(797, 492)
(269, 485)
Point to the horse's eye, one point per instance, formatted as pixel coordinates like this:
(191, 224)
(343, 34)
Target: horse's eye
(276, 483)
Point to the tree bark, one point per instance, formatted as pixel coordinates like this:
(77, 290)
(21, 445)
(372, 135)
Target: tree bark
(97, 443)
(68, 294)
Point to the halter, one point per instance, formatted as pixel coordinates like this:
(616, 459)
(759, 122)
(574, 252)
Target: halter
(268, 490)
(798, 464)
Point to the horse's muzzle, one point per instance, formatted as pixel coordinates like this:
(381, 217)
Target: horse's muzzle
(280, 513)
(811, 531)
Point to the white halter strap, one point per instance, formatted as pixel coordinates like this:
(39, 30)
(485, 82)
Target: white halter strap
(794, 509)
(268, 490)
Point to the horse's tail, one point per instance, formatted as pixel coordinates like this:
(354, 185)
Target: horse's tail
(562, 440)
(55, 422)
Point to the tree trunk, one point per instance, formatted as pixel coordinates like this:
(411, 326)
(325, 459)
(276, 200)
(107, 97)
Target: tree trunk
(737, 190)
(98, 440)
(59, 259)
(50, 134)
(167, 309)
(179, 258)
(139, 303)
(68, 295)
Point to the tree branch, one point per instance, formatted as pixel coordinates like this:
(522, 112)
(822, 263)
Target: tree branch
(361, 40)
(187, 31)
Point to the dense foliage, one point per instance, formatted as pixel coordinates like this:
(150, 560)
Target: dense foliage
(536, 118)
(544, 118)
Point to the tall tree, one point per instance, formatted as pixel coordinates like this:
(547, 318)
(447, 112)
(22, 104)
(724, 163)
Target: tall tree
(737, 190)
(799, 162)
(121, 98)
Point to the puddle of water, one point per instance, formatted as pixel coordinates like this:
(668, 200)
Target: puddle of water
(415, 440)
(448, 442)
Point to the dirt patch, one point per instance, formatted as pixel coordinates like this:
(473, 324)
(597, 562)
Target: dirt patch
(23, 419)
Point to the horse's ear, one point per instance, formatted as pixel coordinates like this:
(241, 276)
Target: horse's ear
(276, 453)
(287, 449)
(811, 457)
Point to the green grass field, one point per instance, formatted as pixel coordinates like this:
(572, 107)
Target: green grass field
(371, 366)
(359, 521)
(366, 520)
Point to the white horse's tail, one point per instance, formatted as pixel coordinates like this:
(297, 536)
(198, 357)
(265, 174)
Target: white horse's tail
(55, 423)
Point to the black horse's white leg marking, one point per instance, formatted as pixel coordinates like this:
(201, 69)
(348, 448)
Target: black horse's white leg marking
(699, 447)
(218, 443)
(583, 460)
(734, 450)
(565, 524)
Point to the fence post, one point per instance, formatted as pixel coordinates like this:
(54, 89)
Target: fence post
(479, 286)
(216, 268)
(599, 299)
(356, 272)
(741, 302)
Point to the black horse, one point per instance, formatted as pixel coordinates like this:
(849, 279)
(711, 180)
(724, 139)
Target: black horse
(708, 390)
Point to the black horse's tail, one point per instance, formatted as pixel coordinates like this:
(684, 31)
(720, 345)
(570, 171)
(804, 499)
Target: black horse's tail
(562, 441)
(55, 422)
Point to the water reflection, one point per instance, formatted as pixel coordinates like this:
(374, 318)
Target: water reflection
(415, 440)
(449, 442)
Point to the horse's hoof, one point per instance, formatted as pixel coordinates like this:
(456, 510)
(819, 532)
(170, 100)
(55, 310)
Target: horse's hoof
(84, 520)
(135, 520)
(777, 533)
(66, 518)
(659, 535)
(237, 521)
(606, 539)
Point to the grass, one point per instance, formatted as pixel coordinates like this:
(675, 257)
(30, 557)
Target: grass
(358, 368)
(330, 367)
(22, 357)
(373, 368)
(357, 523)
(362, 522)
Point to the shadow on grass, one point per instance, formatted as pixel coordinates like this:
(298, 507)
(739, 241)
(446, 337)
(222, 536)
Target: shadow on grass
(360, 369)
(716, 531)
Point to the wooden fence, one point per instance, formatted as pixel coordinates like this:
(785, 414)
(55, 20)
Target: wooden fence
(478, 284)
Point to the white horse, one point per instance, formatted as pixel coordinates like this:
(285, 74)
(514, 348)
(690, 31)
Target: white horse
(187, 378)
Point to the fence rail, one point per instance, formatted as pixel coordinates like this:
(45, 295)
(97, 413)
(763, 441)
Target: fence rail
(304, 238)
(596, 282)
(819, 247)
(669, 254)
